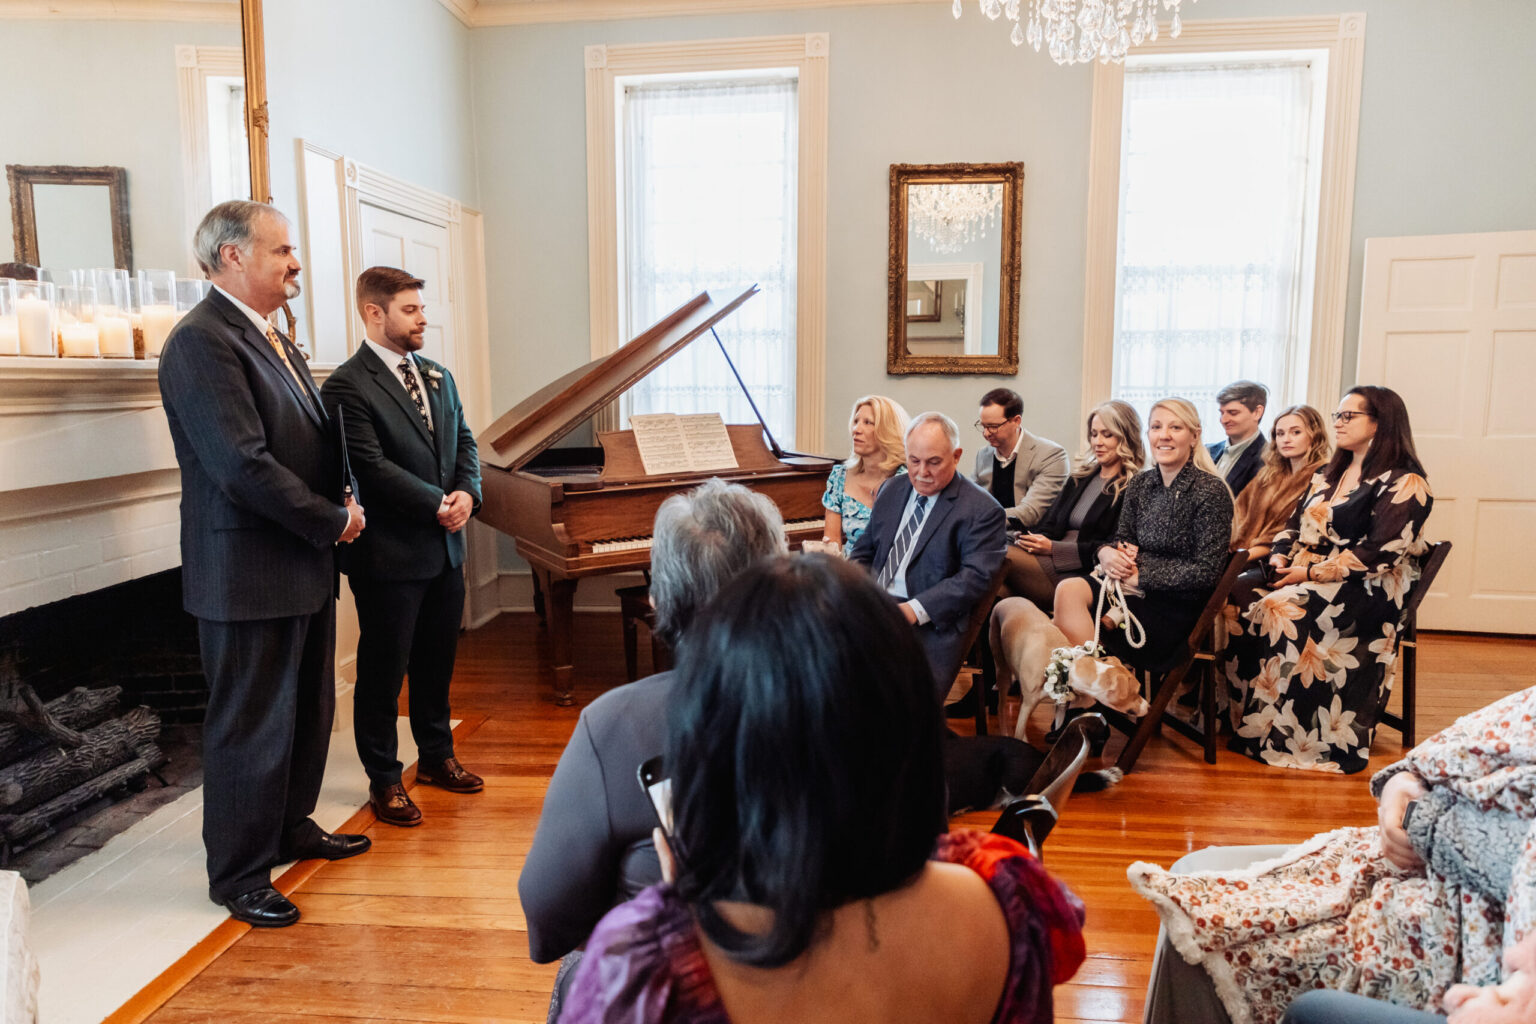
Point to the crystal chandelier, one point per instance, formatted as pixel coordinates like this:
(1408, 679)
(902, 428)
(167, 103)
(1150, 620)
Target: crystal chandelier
(950, 216)
(1078, 31)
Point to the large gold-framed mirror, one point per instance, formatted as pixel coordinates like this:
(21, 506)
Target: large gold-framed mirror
(173, 108)
(954, 267)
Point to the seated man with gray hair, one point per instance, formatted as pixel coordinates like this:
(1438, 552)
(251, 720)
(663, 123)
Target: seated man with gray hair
(934, 541)
(593, 844)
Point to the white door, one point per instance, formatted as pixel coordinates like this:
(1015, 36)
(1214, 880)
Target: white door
(418, 247)
(1449, 323)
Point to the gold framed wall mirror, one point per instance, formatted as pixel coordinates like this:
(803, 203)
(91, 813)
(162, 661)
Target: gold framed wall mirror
(954, 267)
(172, 119)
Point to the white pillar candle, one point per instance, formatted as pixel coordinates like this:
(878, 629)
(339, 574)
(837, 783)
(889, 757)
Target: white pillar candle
(80, 340)
(116, 335)
(34, 319)
(158, 321)
(10, 336)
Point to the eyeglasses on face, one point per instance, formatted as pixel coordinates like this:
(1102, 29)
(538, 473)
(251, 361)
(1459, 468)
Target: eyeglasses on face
(990, 428)
(1349, 414)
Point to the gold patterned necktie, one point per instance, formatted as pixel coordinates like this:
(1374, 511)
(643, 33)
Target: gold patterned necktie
(413, 389)
(282, 353)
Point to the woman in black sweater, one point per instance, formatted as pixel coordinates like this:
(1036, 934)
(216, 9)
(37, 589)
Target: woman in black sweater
(1169, 549)
(1086, 512)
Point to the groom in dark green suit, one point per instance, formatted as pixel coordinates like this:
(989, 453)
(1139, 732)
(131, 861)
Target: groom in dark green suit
(413, 456)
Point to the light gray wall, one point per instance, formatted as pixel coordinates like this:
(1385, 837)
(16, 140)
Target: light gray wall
(1446, 145)
(103, 93)
(386, 82)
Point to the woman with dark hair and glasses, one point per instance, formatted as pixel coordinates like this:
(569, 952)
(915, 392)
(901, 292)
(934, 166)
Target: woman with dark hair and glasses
(1317, 640)
(812, 877)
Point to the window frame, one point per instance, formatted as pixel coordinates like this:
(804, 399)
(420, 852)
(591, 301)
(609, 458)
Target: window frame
(1342, 36)
(807, 54)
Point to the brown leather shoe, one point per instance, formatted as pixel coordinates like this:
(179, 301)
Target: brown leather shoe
(450, 775)
(393, 805)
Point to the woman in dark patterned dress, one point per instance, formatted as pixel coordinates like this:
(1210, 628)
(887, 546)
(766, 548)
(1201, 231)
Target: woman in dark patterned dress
(1313, 646)
(1169, 549)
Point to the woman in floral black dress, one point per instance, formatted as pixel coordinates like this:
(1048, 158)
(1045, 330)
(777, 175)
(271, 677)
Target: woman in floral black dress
(1313, 647)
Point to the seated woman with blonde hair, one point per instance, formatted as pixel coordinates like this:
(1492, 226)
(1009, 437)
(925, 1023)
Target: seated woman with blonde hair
(811, 876)
(1084, 515)
(1298, 447)
(1169, 549)
(878, 427)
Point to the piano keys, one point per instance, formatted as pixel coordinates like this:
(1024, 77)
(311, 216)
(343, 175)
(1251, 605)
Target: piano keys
(588, 511)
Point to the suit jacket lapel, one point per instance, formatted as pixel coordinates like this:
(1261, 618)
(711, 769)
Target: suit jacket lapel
(435, 399)
(384, 377)
(259, 342)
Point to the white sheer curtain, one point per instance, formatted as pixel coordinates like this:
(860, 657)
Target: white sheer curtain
(710, 202)
(1214, 202)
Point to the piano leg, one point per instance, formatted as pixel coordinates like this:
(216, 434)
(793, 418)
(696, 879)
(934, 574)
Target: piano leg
(559, 604)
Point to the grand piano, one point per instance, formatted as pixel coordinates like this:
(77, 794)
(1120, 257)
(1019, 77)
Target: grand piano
(588, 511)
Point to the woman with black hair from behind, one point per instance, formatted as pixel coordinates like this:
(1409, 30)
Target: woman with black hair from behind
(813, 879)
(1317, 636)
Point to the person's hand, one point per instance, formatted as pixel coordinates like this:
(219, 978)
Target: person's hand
(1284, 577)
(908, 613)
(664, 854)
(1117, 562)
(355, 522)
(1512, 1002)
(455, 510)
(1034, 543)
(1133, 580)
(1278, 561)
(1395, 796)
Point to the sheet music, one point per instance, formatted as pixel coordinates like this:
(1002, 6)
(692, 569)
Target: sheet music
(670, 443)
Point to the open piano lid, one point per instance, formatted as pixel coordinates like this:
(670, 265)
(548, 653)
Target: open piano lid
(549, 414)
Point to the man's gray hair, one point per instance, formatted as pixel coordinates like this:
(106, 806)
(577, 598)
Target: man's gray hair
(951, 431)
(229, 223)
(701, 540)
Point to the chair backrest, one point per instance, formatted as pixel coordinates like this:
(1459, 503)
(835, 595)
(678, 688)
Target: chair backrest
(1030, 818)
(1428, 569)
(979, 616)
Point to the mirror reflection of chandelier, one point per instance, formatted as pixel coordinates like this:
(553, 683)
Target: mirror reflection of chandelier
(952, 215)
(1078, 31)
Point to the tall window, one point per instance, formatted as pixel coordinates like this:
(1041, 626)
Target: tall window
(708, 201)
(1218, 220)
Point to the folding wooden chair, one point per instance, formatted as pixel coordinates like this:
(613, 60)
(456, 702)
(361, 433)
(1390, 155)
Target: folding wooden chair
(1408, 645)
(1162, 685)
(1030, 818)
(979, 616)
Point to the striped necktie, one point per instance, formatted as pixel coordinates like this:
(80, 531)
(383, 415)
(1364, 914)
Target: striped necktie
(903, 542)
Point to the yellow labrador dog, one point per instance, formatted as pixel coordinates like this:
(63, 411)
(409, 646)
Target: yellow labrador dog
(1023, 637)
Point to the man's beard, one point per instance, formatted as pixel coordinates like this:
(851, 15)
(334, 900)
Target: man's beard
(406, 342)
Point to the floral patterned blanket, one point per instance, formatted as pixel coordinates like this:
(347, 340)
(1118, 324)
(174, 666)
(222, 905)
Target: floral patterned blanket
(1334, 913)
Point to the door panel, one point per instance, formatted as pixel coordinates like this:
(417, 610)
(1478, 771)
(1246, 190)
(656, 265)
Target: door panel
(420, 248)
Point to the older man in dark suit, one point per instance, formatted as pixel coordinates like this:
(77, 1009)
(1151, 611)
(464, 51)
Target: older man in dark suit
(261, 513)
(934, 541)
(415, 460)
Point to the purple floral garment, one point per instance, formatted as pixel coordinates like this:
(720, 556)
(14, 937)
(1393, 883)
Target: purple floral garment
(644, 964)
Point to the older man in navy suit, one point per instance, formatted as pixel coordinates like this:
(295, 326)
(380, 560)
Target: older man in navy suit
(934, 541)
(261, 512)
(416, 463)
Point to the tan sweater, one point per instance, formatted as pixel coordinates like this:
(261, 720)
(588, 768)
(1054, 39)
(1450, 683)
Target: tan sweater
(1264, 508)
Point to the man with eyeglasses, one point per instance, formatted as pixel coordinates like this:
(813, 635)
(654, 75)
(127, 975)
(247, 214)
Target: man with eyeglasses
(1023, 472)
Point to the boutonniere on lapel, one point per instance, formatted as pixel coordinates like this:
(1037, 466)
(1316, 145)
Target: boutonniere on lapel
(433, 376)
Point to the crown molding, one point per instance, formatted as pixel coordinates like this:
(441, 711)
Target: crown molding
(216, 11)
(488, 13)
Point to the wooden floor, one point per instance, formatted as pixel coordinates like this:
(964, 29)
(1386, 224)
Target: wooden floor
(427, 926)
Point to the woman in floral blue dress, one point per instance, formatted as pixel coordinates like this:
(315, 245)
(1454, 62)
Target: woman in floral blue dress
(1310, 653)
(878, 427)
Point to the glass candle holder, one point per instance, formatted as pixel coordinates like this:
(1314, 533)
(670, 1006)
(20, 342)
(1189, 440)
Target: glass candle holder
(157, 292)
(79, 338)
(36, 314)
(114, 313)
(136, 317)
(10, 332)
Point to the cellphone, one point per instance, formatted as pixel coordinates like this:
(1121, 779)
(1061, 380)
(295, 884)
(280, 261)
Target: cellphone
(658, 787)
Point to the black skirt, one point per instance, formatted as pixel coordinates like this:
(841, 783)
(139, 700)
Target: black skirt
(1167, 616)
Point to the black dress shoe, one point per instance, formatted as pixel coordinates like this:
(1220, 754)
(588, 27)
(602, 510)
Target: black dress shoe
(328, 846)
(261, 908)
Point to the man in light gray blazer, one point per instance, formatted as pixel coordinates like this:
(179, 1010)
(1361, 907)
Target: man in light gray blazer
(1023, 472)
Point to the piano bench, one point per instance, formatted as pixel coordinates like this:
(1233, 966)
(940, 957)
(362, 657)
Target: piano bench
(635, 608)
